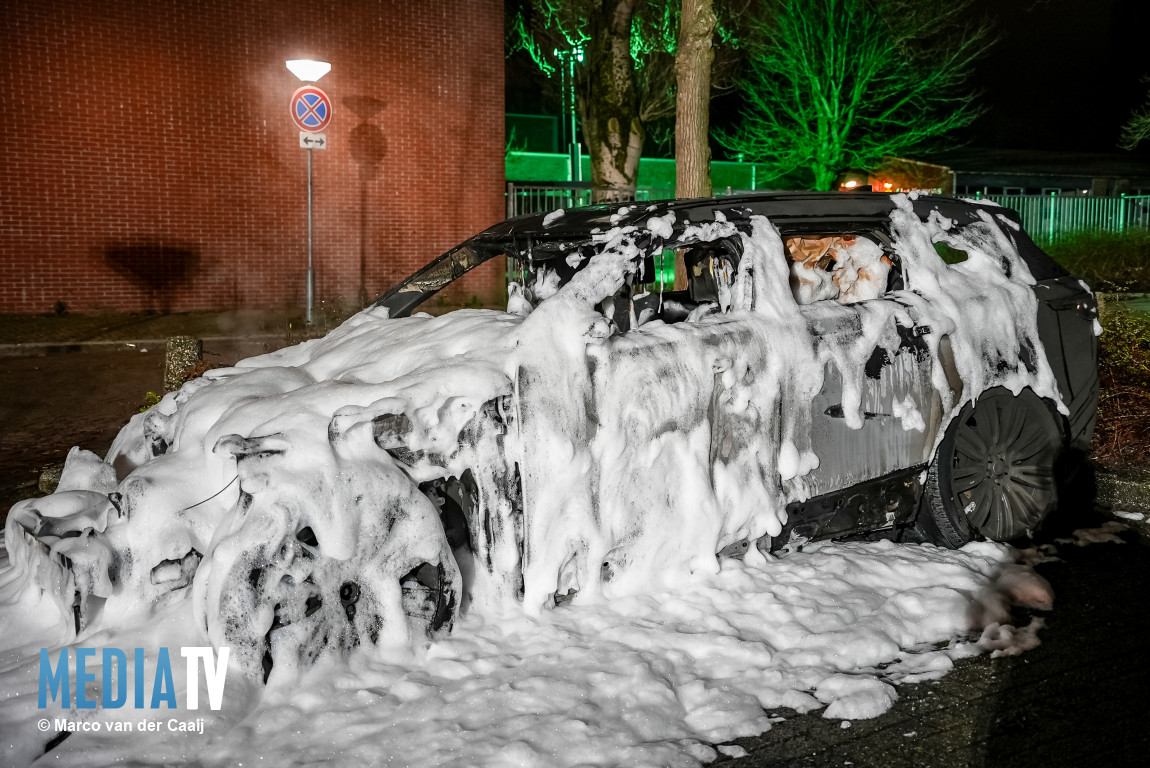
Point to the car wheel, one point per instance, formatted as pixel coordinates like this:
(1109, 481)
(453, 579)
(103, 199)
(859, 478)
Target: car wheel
(993, 476)
(285, 603)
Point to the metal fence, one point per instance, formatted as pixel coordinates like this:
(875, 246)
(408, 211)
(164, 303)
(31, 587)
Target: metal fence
(1050, 217)
(1046, 217)
(544, 198)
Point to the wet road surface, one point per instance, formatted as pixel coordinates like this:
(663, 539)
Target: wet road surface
(50, 403)
(1082, 698)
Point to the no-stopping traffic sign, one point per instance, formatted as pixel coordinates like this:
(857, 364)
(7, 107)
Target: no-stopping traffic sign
(310, 109)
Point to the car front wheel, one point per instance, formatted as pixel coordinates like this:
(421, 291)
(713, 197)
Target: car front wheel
(994, 474)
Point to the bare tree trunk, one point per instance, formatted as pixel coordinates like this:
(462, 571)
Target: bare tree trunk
(609, 105)
(693, 102)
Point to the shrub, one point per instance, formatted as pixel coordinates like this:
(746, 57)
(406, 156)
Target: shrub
(150, 399)
(1109, 261)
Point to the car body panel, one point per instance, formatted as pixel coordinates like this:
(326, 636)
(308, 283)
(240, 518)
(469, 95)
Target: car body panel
(1068, 324)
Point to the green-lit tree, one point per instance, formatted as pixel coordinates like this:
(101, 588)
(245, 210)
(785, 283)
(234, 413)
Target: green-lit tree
(833, 85)
(626, 77)
(1137, 128)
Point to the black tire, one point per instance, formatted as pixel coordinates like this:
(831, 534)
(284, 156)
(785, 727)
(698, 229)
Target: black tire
(994, 475)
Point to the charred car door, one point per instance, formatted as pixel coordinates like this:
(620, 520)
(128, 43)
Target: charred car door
(874, 419)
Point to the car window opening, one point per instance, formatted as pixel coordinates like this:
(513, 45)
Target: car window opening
(846, 268)
(710, 271)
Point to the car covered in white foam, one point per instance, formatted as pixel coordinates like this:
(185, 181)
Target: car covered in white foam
(832, 365)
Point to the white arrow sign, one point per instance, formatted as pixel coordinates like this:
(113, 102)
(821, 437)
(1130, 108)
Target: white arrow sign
(312, 140)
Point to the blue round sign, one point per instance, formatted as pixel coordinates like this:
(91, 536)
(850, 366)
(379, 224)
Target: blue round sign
(310, 109)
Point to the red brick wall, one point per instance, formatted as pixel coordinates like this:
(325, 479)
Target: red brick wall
(149, 160)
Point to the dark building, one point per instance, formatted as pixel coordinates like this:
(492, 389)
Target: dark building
(150, 161)
(1027, 172)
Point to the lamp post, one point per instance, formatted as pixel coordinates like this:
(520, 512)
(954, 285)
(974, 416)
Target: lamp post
(309, 71)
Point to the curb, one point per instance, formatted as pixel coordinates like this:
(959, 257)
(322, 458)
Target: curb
(1128, 495)
(40, 349)
(1127, 501)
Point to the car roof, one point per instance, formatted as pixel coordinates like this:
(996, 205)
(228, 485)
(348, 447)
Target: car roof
(780, 207)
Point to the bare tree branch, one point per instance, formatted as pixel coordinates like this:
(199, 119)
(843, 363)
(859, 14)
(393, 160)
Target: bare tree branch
(1137, 128)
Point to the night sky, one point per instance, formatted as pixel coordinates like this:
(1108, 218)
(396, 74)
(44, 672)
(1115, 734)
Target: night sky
(1064, 75)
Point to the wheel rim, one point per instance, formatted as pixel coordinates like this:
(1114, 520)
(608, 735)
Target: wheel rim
(1002, 477)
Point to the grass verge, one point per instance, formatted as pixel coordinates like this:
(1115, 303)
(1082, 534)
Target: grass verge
(1122, 435)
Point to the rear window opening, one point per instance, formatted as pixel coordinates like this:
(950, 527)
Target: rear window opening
(949, 254)
(847, 268)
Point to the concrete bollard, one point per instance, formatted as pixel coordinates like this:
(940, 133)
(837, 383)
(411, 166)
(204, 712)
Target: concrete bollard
(50, 478)
(182, 352)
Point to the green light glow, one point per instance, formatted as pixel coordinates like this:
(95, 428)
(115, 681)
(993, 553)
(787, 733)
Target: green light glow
(664, 272)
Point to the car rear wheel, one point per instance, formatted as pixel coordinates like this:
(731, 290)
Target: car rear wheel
(994, 474)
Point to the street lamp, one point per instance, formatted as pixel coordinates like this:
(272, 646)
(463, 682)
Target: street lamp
(309, 71)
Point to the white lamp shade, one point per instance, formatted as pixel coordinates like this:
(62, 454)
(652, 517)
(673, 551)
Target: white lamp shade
(308, 70)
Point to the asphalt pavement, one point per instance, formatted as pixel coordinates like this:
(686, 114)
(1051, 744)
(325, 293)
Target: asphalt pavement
(76, 379)
(1079, 699)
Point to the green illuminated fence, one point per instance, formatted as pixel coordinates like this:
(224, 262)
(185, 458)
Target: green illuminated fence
(544, 198)
(1050, 218)
(547, 197)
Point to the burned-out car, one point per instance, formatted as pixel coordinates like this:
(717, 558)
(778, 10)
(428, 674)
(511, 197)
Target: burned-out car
(832, 364)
